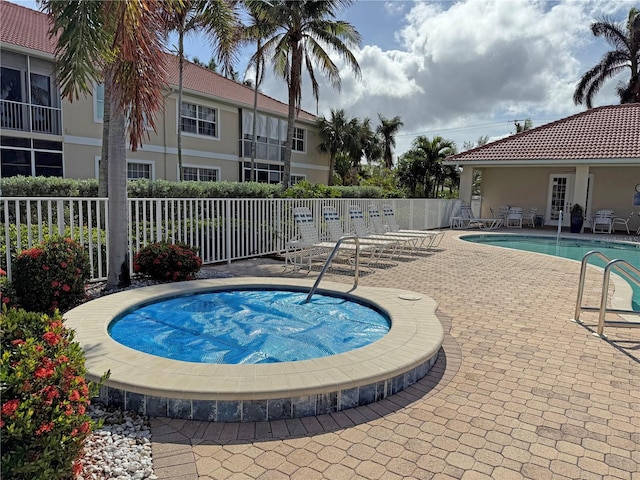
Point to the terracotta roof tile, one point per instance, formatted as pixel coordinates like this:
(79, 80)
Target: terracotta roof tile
(28, 28)
(603, 133)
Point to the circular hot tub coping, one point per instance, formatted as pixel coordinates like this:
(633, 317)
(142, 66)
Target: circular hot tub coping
(401, 357)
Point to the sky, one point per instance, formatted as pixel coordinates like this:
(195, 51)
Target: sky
(462, 69)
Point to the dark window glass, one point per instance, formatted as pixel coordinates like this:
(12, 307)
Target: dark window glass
(46, 145)
(48, 164)
(14, 142)
(15, 162)
(10, 84)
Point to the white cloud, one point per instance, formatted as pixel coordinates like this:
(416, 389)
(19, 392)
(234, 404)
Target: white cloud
(474, 63)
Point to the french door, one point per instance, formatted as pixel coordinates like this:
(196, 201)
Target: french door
(560, 197)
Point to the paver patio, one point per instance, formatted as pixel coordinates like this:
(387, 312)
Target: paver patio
(519, 390)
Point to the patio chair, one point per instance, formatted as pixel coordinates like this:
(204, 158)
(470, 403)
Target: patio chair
(309, 248)
(621, 221)
(430, 238)
(529, 218)
(514, 218)
(406, 243)
(464, 219)
(387, 247)
(602, 221)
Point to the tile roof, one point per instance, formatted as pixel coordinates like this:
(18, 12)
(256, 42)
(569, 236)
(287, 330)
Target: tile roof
(29, 29)
(603, 133)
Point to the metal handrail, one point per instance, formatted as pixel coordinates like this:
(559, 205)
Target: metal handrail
(356, 273)
(620, 266)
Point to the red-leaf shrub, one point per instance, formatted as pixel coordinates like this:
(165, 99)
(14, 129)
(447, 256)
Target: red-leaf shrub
(7, 292)
(167, 261)
(51, 276)
(43, 422)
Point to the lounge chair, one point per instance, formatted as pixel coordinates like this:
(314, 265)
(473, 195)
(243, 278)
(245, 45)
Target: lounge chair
(406, 243)
(387, 247)
(467, 219)
(430, 238)
(309, 248)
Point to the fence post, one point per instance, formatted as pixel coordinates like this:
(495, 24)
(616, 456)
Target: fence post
(228, 230)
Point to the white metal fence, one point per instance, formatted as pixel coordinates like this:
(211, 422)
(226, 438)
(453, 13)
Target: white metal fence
(222, 230)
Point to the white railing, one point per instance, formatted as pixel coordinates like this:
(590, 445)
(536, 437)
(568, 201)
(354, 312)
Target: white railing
(223, 230)
(30, 117)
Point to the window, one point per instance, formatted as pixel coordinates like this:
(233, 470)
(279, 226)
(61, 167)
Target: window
(264, 172)
(199, 120)
(200, 174)
(298, 139)
(98, 103)
(24, 156)
(297, 178)
(137, 170)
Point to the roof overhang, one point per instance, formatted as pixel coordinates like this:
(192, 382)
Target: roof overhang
(546, 162)
(12, 47)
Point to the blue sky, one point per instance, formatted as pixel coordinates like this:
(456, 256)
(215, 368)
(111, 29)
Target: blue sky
(461, 69)
(464, 69)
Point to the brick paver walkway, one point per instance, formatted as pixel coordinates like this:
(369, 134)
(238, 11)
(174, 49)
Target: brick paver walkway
(519, 391)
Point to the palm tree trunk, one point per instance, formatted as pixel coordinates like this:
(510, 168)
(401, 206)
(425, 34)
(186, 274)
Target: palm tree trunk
(255, 119)
(118, 263)
(180, 68)
(103, 172)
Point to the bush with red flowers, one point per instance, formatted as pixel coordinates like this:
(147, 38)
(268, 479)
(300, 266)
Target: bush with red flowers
(44, 420)
(7, 292)
(167, 261)
(51, 276)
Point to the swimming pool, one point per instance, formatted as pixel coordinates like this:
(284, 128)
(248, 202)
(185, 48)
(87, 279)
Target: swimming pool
(571, 248)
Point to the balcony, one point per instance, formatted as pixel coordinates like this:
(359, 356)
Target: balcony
(30, 118)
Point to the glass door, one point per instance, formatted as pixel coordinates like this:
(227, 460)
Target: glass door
(559, 198)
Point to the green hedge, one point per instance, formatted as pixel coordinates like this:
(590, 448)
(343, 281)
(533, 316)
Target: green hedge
(66, 187)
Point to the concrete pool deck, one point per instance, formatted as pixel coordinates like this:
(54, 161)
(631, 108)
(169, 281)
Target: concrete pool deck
(518, 391)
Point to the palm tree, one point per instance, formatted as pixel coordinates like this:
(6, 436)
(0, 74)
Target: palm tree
(429, 155)
(303, 31)
(626, 54)
(121, 44)
(333, 134)
(189, 15)
(387, 131)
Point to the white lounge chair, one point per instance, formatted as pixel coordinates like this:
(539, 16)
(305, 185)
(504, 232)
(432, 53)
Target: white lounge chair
(387, 247)
(407, 244)
(430, 238)
(309, 248)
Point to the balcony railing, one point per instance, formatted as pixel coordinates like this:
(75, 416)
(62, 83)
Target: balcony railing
(30, 118)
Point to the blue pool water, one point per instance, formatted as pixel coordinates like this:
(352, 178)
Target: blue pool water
(570, 248)
(249, 326)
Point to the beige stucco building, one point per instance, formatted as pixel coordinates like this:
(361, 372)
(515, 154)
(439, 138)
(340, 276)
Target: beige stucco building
(43, 134)
(592, 159)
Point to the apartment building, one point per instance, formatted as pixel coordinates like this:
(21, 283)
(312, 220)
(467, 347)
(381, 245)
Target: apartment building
(42, 134)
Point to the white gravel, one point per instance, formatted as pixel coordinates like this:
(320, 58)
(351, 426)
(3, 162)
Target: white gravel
(120, 449)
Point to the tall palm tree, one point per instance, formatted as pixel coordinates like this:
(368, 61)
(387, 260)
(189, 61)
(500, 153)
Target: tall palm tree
(120, 43)
(304, 31)
(185, 17)
(387, 131)
(431, 153)
(625, 54)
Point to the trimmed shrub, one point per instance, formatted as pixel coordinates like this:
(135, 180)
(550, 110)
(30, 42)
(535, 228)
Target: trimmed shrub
(167, 261)
(51, 276)
(43, 422)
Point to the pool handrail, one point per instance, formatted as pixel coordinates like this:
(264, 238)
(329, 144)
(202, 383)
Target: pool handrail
(621, 266)
(356, 272)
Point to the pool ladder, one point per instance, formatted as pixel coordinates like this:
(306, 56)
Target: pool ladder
(623, 268)
(356, 272)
